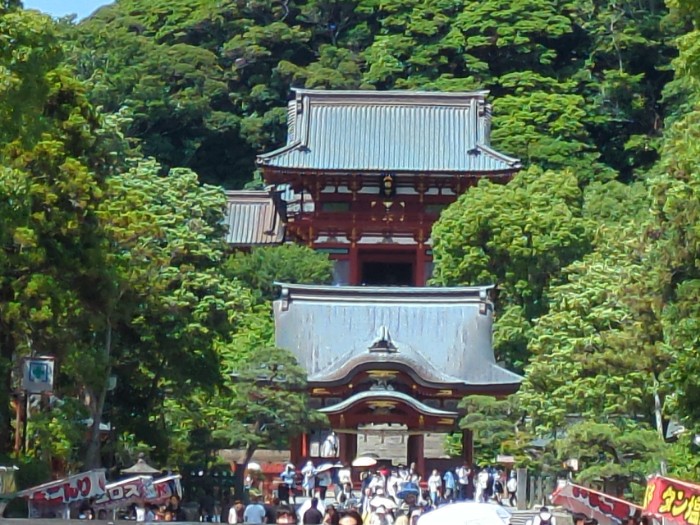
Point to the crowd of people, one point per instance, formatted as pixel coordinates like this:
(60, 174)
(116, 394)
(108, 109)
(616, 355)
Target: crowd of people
(462, 483)
(385, 496)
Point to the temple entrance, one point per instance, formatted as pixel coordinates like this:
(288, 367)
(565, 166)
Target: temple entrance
(387, 274)
(387, 441)
(387, 268)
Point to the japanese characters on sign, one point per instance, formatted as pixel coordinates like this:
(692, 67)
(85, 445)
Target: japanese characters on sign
(74, 488)
(126, 491)
(673, 500)
(167, 487)
(123, 492)
(606, 509)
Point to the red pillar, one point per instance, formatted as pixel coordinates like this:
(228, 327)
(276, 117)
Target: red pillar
(416, 453)
(348, 447)
(298, 448)
(419, 273)
(355, 270)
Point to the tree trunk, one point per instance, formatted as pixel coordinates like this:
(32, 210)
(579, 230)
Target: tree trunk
(93, 456)
(659, 420)
(7, 351)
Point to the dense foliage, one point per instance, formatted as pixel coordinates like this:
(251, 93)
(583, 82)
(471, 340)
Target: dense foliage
(204, 84)
(111, 255)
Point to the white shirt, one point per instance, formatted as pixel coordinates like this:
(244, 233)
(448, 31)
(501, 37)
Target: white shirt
(463, 475)
(434, 482)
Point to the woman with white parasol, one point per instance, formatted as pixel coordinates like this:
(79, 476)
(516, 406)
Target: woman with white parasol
(308, 479)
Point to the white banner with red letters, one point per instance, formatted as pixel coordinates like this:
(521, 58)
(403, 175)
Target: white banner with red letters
(140, 489)
(81, 486)
(608, 510)
(124, 492)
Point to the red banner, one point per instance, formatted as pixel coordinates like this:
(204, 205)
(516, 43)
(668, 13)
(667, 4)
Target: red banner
(673, 500)
(606, 509)
(74, 488)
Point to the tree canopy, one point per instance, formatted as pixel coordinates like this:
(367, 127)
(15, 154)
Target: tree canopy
(111, 251)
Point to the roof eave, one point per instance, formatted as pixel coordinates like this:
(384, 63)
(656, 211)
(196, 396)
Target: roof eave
(265, 158)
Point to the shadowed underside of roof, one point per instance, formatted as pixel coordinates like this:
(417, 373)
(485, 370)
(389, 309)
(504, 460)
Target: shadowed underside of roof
(402, 131)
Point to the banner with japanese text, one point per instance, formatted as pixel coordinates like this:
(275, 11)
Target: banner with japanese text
(166, 487)
(81, 486)
(608, 510)
(124, 492)
(673, 500)
(120, 494)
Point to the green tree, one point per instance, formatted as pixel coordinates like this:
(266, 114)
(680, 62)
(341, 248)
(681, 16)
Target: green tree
(518, 236)
(168, 305)
(608, 452)
(675, 189)
(260, 268)
(498, 427)
(52, 168)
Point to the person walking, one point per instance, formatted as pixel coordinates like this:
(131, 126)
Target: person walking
(482, 485)
(463, 472)
(286, 487)
(312, 516)
(309, 479)
(450, 485)
(255, 511)
(512, 488)
(434, 487)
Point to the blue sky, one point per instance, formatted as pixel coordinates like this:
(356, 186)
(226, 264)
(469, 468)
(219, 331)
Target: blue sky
(58, 8)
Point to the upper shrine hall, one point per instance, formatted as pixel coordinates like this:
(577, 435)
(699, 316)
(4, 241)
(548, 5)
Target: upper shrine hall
(363, 177)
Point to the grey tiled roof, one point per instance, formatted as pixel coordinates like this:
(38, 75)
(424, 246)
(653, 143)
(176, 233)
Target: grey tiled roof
(252, 219)
(441, 336)
(401, 131)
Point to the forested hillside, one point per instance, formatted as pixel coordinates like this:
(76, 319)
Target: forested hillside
(576, 84)
(594, 246)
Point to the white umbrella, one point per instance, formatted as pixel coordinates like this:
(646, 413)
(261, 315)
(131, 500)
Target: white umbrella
(466, 513)
(364, 461)
(253, 466)
(381, 501)
(324, 467)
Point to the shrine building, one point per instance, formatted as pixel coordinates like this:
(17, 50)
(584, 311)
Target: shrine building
(363, 177)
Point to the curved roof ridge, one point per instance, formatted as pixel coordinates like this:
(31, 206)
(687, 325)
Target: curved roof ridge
(392, 395)
(421, 366)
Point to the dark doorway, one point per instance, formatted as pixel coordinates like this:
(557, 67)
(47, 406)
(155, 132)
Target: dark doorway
(387, 274)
